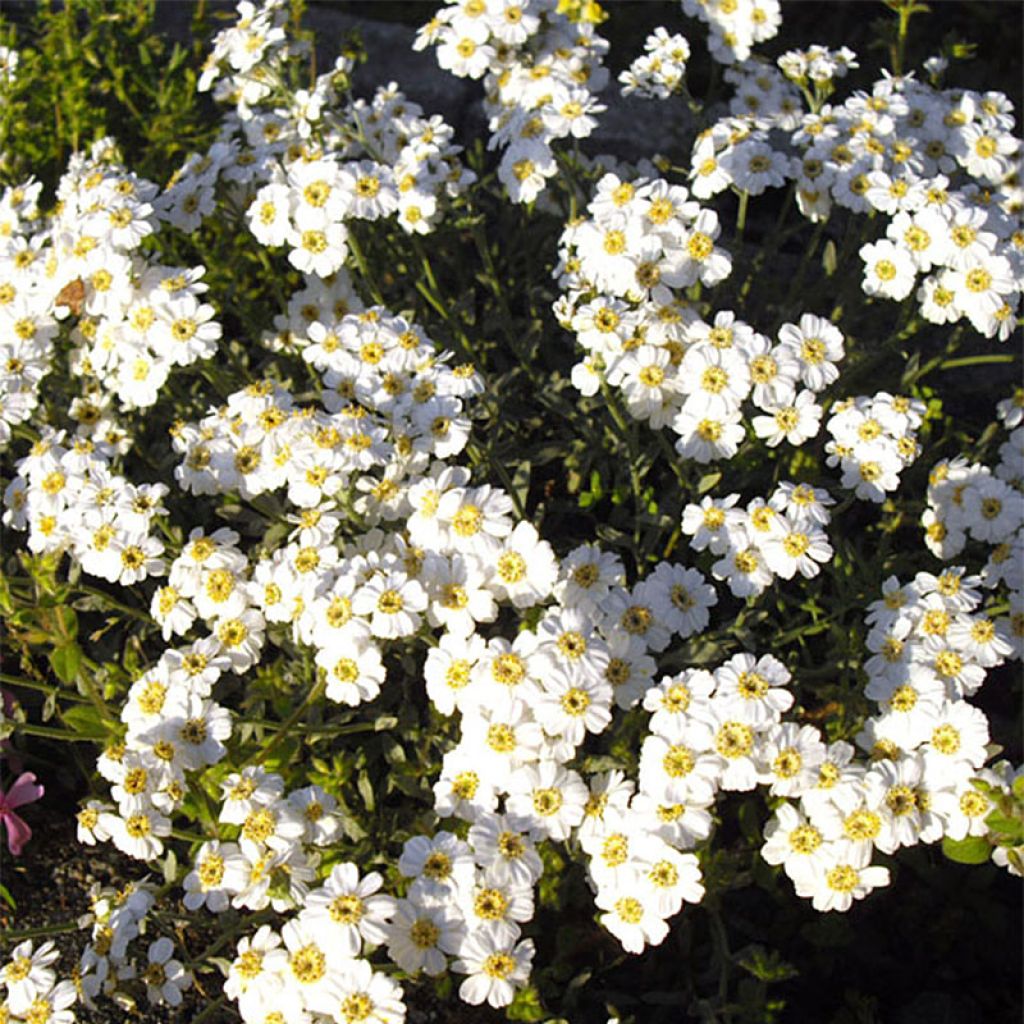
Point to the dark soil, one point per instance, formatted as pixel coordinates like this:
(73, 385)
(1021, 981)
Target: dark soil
(50, 885)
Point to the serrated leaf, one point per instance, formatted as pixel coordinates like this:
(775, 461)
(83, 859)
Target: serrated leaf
(972, 850)
(526, 1005)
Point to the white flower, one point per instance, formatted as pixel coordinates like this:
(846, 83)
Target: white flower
(354, 669)
(546, 800)
(355, 991)
(525, 568)
(440, 867)
(28, 974)
(420, 935)
(797, 547)
(845, 875)
(888, 270)
(795, 843)
(632, 917)
(393, 602)
(505, 853)
(345, 911)
(817, 345)
(496, 968)
(165, 979)
(219, 874)
(795, 422)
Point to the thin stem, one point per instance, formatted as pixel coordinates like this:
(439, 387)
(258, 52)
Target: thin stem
(32, 684)
(136, 613)
(20, 934)
(952, 364)
(249, 922)
(315, 690)
(188, 837)
(210, 1009)
(364, 270)
(741, 215)
(52, 733)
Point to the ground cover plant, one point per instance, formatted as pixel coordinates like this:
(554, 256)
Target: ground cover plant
(454, 572)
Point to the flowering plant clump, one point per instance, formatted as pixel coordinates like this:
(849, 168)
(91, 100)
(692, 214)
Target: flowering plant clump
(459, 563)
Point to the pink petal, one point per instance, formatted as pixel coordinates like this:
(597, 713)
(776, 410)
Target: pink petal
(18, 833)
(24, 790)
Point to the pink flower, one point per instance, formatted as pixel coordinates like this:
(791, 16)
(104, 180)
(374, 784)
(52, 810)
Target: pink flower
(24, 790)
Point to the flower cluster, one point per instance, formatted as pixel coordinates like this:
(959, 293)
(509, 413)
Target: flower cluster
(735, 25)
(388, 403)
(107, 967)
(940, 165)
(969, 501)
(781, 537)
(135, 319)
(69, 499)
(30, 989)
(250, 49)
(873, 440)
(931, 649)
(622, 272)
(362, 558)
(817, 65)
(541, 75)
(303, 164)
(312, 968)
(661, 70)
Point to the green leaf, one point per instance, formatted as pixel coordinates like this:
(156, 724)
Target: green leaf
(829, 259)
(66, 662)
(365, 787)
(170, 867)
(1006, 827)
(707, 482)
(85, 720)
(6, 896)
(972, 850)
(526, 1005)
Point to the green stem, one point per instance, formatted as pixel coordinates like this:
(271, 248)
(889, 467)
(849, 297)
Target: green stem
(352, 729)
(951, 364)
(189, 837)
(502, 472)
(801, 270)
(364, 269)
(289, 723)
(20, 934)
(905, 11)
(52, 733)
(210, 1009)
(251, 921)
(135, 613)
(741, 215)
(32, 684)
